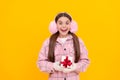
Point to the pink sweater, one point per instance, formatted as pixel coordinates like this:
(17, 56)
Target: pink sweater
(62, 50)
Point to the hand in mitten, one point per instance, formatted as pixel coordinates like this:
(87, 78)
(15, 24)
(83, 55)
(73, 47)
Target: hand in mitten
(57, 66)
(72, 68)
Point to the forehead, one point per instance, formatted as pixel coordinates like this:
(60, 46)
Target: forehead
(63, 19)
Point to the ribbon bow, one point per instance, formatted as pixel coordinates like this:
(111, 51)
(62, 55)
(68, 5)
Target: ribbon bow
(66, 62)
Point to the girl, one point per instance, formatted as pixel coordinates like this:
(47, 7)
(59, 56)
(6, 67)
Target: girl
(63, 42)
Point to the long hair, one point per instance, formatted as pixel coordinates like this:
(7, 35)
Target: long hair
(53, 38)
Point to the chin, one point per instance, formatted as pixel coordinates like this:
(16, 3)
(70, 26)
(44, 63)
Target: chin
(64, 34)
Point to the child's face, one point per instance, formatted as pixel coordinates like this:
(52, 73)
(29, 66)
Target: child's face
(63, 26)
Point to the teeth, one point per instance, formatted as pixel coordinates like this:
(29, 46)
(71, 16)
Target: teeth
(64, 30)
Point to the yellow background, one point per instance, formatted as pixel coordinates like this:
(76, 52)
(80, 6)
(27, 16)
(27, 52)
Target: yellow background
(24, 27)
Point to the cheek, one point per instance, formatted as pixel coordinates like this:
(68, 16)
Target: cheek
(58, 26)
(68, 26)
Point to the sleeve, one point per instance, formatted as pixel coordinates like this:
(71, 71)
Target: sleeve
(84, 61)
(42, 63)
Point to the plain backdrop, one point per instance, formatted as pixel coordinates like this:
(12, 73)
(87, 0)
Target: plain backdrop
(24, 27)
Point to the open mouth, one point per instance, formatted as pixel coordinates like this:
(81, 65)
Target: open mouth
(63, 30)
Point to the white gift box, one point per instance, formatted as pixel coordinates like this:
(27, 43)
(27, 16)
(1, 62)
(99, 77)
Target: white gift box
(69, 58)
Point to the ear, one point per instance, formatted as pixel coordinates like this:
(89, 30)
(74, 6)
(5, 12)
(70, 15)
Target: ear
(53, 27)
(73, 26)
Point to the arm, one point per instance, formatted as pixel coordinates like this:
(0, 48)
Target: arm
(84, 61)
(43, 63)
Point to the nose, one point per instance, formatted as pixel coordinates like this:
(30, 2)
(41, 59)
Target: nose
(64, 25)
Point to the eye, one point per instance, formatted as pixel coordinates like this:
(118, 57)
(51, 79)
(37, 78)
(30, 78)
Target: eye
(67, 23)
(60, 23)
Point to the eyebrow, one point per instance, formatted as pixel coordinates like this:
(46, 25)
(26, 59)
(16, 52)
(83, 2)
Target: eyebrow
(61, 21)
(67, 21)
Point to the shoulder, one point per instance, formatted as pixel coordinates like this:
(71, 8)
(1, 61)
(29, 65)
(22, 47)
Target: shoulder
(46, 41)
(80, 39)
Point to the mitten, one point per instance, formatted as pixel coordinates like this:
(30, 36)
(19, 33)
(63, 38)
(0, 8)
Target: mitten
(57, 66)
(72, 68)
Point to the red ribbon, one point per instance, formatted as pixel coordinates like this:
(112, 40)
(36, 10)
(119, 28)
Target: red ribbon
(66, 62)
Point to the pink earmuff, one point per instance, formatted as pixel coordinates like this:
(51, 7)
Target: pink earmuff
(53, 27)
